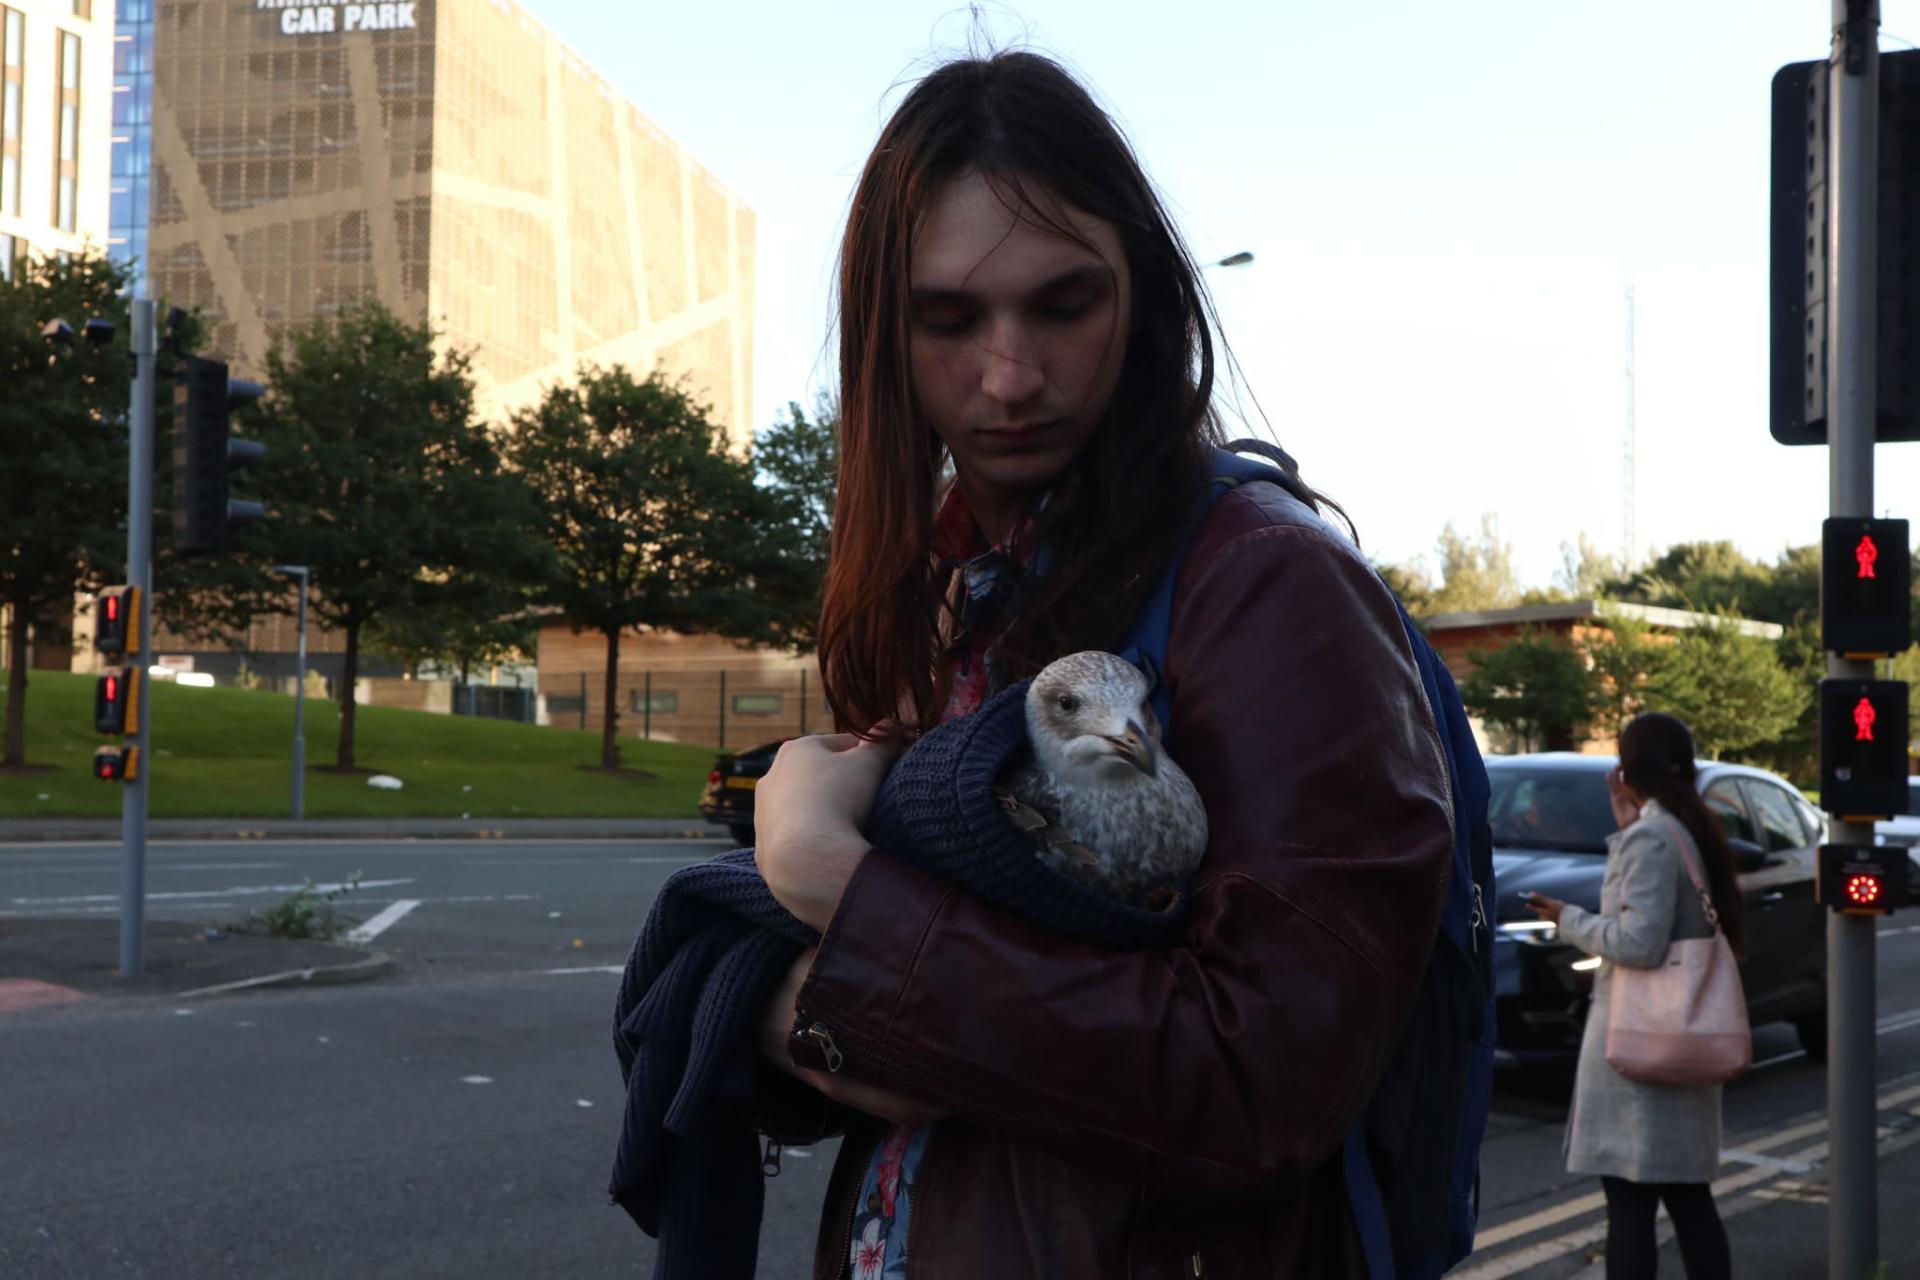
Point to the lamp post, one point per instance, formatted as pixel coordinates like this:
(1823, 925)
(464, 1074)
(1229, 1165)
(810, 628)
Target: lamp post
(299, 692)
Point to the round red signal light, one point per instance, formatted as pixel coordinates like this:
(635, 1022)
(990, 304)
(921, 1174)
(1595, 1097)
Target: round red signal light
(113, 688)
(113, 608)
(1863, 890)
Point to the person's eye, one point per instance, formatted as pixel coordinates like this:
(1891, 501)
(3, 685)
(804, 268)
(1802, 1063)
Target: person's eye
(946, 324)
(1066, 310)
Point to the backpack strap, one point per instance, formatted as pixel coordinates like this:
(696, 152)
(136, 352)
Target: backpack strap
(1146, 646)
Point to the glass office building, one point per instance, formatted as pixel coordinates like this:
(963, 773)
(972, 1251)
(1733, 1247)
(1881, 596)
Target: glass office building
(132, 130)
(450, 158)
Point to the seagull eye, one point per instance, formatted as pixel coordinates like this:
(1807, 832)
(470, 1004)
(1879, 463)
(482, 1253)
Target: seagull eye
(1069, 703)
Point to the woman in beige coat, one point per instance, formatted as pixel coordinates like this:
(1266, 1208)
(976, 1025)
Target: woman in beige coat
(1650, 1143)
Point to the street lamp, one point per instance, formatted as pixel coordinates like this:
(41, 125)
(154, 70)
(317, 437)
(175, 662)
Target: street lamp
(299, 692)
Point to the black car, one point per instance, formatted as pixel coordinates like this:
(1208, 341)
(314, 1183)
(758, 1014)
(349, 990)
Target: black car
(728, 799)
(1551, 818)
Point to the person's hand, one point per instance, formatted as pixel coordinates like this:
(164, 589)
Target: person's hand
(1626, 805)
(777, 1023)
(807, 813)
(1543, 906)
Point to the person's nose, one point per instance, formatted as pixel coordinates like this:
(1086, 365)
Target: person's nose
(1011, 371)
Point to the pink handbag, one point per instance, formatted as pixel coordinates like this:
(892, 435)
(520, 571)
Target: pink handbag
(1684, 1022)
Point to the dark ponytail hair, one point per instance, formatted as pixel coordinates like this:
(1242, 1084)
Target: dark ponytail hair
(1656, 760)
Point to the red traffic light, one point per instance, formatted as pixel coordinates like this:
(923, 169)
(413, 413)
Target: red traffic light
(116, 701)
(116, 621)
(1862, 879)
(116, 764)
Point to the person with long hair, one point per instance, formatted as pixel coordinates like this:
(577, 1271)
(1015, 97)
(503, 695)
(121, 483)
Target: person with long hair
(1650, 1143)
(1026, 398)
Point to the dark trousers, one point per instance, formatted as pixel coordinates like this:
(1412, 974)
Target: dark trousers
(1632, 1253)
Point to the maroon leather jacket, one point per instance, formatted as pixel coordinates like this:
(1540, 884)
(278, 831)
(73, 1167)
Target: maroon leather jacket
(1173, 1113)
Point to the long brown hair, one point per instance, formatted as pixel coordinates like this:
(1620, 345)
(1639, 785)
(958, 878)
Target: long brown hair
(1025, 125)
(1656, 760)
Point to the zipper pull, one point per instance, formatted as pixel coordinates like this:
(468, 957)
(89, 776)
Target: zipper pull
(1199, 1267)
(770, 1159)
(820, 1035)
(1479, 920)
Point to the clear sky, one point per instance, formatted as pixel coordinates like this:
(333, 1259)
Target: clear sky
(1446, 204)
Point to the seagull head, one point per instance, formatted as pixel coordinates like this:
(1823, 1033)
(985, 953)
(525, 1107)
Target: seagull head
(1088, 717)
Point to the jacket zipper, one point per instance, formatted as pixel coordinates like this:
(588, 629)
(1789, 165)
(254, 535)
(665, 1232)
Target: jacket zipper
(824, 1037)
(1198, 1265)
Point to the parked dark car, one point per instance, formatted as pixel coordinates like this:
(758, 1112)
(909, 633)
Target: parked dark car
(728, 799)
(1551, 818)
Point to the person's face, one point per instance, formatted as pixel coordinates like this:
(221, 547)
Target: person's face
(1017, 338)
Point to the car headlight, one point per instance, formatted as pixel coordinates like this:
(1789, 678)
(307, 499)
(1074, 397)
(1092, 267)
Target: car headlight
(1534, 932)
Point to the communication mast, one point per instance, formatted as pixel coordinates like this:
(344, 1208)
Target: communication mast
(1631, 551)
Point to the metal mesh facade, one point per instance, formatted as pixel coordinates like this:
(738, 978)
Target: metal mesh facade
(454, 160)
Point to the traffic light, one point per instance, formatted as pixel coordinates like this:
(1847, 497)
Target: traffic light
(1863, 748)
(1865, 581)
(1799, 235)
(116, 701)
(204, 453)
(1857, 879)
(116, 764)
(116, 621)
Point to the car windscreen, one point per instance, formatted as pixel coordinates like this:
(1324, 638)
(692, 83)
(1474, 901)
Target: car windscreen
(1565, 810)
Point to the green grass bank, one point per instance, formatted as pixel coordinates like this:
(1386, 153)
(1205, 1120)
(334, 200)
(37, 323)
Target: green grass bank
(217, 753)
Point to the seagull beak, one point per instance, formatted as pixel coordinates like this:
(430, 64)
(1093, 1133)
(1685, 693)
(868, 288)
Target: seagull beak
(1137, 748)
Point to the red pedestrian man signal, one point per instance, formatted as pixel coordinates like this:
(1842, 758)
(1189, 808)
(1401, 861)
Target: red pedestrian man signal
(1863, 721)
(1865, 554)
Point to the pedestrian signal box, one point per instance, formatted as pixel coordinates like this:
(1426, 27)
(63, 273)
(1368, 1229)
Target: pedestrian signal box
(1863, 748)
(116, 764)
(116, 701)
(116, 621)
(1863, 880)
(1866, 580)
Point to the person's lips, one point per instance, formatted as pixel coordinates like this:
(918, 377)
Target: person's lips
(1019, 430)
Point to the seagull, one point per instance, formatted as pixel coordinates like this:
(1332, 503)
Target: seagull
(1101, 800)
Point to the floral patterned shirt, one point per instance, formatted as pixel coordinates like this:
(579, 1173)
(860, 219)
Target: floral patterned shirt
(992, 579)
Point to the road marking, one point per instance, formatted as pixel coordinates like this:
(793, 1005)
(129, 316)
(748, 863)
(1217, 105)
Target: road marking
(476, 1079)
(234, 891)
(383, 922)
(1768, 1169)
(581, 1102)
(590, 968)
(1889, 1025)
(664, 862)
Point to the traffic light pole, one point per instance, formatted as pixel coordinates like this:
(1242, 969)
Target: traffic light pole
(1853, 1218)
(133, 800)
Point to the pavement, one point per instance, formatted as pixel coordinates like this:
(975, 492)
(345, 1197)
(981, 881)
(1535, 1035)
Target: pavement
(31, 830)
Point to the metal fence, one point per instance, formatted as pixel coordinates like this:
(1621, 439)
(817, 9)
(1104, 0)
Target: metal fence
(730, 708)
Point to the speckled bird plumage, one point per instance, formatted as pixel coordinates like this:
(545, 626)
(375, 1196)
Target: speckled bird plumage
(1119, 814)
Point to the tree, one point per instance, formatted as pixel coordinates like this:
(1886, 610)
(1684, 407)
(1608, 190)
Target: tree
(799, 465)
(1585, 570)
(1624, 659)
(1475, 575)
(63, 451)
(1410, 583)
(1537, 686)
(1729, 687)
(651, 521)
(377, 477)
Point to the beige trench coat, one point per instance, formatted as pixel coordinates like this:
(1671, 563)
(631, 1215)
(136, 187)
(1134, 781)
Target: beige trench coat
(1620, 1127)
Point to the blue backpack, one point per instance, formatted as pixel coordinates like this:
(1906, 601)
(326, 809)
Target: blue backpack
(1412, 1160)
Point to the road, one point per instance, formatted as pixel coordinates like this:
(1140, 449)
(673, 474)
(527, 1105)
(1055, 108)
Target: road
(458, 1117)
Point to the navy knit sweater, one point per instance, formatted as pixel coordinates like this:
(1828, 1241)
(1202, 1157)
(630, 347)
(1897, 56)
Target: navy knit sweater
(716, 943)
